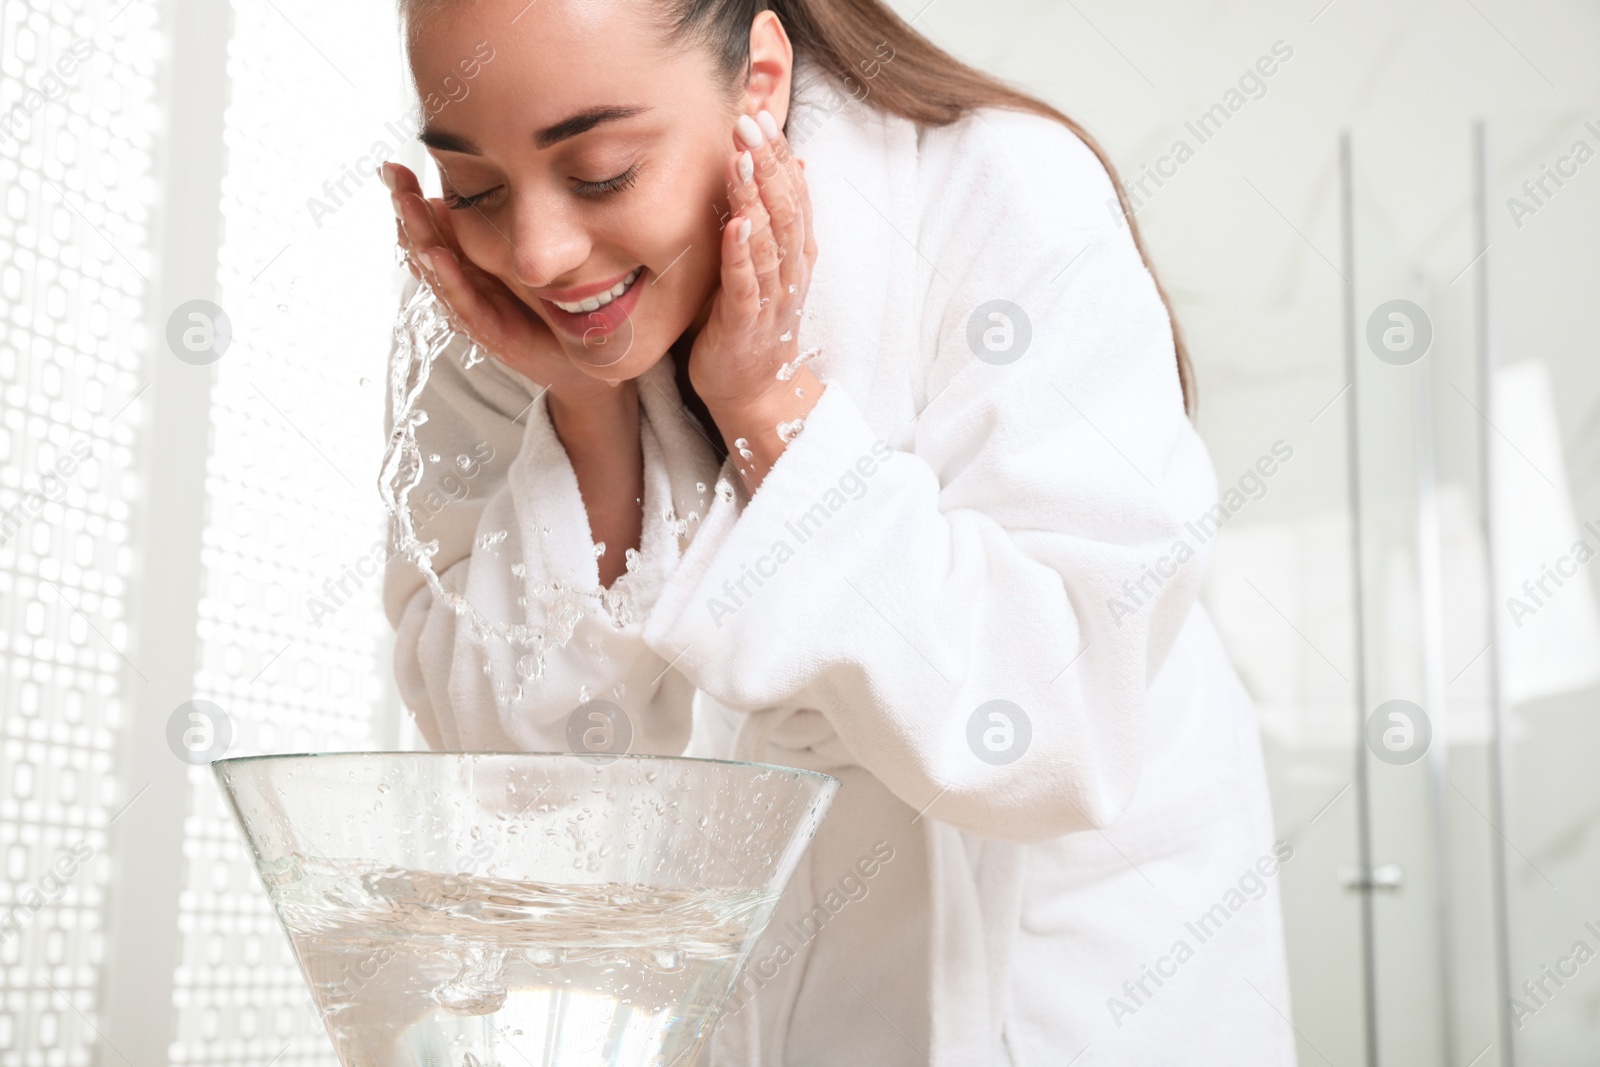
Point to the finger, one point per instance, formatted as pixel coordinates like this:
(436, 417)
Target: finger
(444, 223)
(396, 179)
(778, 177)
(451, 282)
(400, 179)
(417, 218)
(764, 247)
(741, 289)
(403, 242)
(810, 247)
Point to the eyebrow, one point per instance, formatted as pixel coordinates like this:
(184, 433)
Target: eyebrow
(568, 128)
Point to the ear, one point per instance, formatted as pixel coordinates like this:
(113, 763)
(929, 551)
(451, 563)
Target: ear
(771, 67)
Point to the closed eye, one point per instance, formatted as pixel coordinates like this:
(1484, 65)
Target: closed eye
(610, 185)
(455, 201)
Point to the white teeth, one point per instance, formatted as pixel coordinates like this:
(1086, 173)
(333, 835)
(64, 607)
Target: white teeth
(594, 303)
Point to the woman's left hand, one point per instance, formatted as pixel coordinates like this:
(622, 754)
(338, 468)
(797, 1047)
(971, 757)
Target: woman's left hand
(754, 326)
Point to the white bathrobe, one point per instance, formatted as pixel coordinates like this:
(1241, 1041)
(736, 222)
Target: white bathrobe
(947, 531)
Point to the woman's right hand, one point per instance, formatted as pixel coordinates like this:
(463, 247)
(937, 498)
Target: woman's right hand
(489, 312)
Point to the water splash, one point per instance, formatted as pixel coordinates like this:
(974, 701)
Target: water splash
(789, 370)
(425, 329)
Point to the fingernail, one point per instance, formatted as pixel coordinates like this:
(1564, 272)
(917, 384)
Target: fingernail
(388, 178)
(427, 260)
(747, 167)
(749, 132)
(394, 202)
(744, 231)
(769, 125)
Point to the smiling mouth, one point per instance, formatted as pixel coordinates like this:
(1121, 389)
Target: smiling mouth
(594, 303)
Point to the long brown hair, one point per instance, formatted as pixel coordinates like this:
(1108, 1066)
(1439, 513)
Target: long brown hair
(923, 83)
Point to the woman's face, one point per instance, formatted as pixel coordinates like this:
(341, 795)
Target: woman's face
(578, 152)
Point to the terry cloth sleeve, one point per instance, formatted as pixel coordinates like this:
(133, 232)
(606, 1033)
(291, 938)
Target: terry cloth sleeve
(502, 501)
(1023, 542)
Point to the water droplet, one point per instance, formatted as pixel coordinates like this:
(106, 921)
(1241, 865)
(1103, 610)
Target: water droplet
(744, 448)
(546, 957)
(519, 570)
(787, 336)
(599, 549)
(364, 382)
(799, 392)
(492, 538)
(583, 694)
(699, 487)
(788, 431)
(793, 288)
(667, 959)
(724, 490)
(479, 988)
(630, 560)
(433, 457)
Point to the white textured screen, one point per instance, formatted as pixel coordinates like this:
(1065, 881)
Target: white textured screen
(76, 88)
(289, 624)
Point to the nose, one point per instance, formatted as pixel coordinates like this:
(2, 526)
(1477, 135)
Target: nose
(546, 243)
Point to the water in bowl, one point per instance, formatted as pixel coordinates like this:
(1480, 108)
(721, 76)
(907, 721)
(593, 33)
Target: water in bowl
(411, 968)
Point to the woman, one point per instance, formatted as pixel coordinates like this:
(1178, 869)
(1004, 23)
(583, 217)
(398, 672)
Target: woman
(892, 411)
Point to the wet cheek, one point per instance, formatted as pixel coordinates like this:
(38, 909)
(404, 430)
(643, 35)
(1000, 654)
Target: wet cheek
(477, 248)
